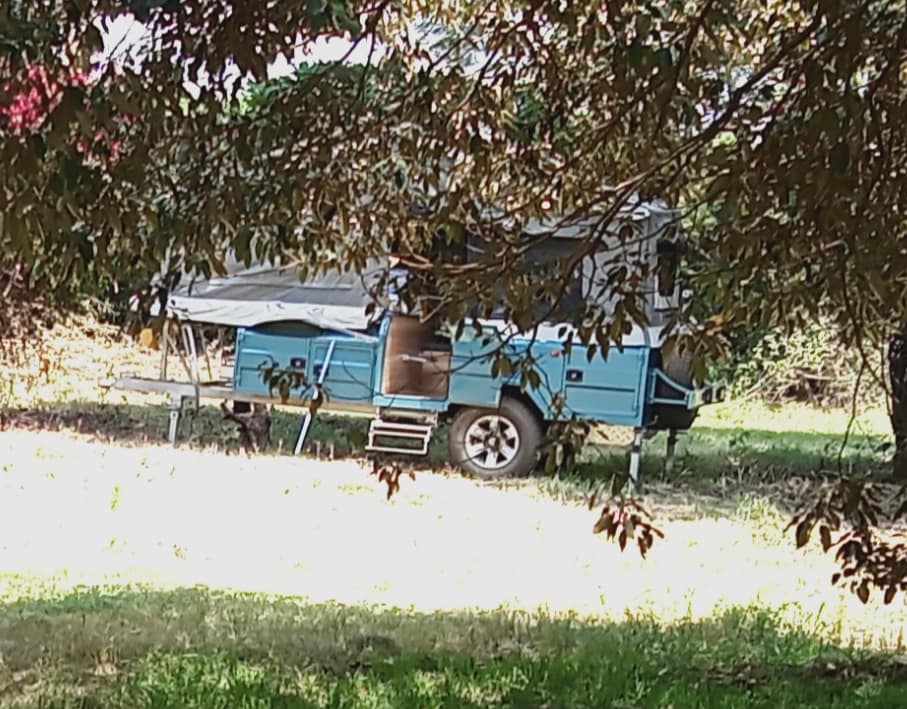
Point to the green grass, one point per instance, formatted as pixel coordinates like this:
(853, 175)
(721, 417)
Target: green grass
(754, 443)
(199, 648)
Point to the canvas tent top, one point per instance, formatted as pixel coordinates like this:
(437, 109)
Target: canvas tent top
(246, 297)
(559, 227)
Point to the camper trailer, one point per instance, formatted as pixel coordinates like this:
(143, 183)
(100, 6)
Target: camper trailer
(410, 375)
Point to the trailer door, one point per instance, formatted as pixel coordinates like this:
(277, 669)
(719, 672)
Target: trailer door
(610, 391)
(351, 370)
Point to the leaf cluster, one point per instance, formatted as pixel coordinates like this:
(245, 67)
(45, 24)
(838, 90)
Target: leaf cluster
(847, 517)
(389, 473)
(626, 520)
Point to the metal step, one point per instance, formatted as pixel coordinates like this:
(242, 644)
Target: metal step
(396, 415)
(381, 428)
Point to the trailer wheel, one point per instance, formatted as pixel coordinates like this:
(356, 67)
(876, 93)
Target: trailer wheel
(495, 443)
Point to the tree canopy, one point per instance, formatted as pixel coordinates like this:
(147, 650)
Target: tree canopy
(775, 126)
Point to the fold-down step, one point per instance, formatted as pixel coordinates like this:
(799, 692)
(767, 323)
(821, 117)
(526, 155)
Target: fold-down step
(389, 436)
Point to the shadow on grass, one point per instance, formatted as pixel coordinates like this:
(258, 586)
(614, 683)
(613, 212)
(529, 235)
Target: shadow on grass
(198, 648)
(705, 454)
(137, 424)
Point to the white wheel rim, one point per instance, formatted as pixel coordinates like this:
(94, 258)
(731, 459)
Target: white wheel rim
(492, 442)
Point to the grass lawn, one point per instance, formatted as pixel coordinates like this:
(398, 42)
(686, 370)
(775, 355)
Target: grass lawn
(135, 575)
(197, 648)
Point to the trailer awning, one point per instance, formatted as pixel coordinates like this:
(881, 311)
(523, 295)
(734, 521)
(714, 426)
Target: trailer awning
(246, 297)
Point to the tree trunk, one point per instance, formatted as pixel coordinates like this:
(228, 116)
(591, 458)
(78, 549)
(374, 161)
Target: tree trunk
(897, 378)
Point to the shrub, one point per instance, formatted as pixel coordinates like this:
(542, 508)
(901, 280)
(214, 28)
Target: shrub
(809, 365)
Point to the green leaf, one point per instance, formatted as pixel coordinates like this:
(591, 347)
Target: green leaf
(242, 245)
(840, 158)
(802, 533)
(38, 146)
(73, 98)
(825, 537)
(73, 170)
(505, 366)
(57, 184)
(535, 381)
(634, 53)
(663, 58)
(344, 20)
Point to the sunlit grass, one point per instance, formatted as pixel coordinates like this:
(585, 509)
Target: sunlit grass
(324, 531)
(793, 417)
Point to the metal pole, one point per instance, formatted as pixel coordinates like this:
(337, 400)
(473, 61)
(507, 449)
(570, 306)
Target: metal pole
(635, 453)
(165, 347)
(669, 451)
(307, 419)
(192, 367)
(189, 344)
(176, 405)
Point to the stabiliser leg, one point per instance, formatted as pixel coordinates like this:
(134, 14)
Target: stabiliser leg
(670, 450)
(635, 454)
(307, 419)
(176, 407)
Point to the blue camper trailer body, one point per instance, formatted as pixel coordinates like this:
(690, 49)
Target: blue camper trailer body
(411, 376)
(617, 390)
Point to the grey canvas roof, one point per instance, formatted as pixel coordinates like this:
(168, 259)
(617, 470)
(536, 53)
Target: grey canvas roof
(246, 297)
(578, 227)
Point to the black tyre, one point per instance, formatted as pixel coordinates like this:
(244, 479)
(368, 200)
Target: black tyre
(495, 443)
(680, 369)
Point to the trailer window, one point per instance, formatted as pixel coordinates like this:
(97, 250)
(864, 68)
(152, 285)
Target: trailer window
(546, 260)
(666, 285)
(543, 261)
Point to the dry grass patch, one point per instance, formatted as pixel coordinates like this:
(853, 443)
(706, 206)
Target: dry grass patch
(68, 364)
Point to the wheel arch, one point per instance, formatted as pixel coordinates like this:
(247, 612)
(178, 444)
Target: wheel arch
(514, 392)
(509, 390)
